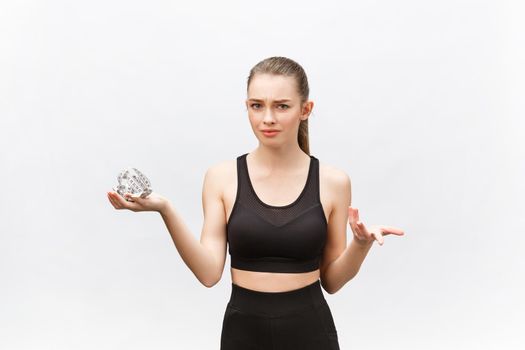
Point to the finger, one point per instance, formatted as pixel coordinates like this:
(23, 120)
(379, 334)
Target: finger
(357, 226)
(357, 233)
(393, 230)
(351, 219)
(351, 215)
(133, 198)
(378, 238)
(113, 201)
(355, 217)
(120, 201)
(360, 226)
(134, 203)
(365, 231)
(352, 223)
(377, 234)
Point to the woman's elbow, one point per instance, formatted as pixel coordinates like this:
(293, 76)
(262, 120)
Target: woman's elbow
(211, 281)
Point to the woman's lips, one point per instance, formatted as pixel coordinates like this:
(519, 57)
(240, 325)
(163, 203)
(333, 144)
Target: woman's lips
(270, 133)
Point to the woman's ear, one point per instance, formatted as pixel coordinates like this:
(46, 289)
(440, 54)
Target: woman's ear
(307, 109)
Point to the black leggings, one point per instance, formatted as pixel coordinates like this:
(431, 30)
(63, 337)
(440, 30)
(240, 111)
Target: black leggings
(291, 320)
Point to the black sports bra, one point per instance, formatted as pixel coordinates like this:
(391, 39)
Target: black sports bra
(269, 238)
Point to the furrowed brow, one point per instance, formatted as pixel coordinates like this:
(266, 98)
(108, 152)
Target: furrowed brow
(260, 100)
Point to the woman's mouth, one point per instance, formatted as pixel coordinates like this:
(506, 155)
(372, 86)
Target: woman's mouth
(270, 133)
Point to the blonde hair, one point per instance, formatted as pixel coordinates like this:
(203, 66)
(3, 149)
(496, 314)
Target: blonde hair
(279, 65)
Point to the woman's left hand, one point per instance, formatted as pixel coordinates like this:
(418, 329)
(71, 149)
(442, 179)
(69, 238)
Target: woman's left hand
(366, 236)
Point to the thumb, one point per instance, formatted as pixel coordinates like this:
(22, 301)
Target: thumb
(133, 198)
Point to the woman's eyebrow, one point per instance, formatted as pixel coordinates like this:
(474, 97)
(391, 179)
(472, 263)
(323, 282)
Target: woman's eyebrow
(260, 100)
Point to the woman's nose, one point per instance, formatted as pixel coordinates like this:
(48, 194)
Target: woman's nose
(268, 116)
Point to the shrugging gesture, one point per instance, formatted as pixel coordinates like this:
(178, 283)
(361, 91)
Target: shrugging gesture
(366, 235)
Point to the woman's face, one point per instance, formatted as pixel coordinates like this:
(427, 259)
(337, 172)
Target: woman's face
(274, 103)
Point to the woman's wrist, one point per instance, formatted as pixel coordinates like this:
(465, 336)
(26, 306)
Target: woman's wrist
(363, 244)
(165, 207)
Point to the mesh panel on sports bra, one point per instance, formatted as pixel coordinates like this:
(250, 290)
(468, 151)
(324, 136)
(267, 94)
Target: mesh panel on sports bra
(280, 215)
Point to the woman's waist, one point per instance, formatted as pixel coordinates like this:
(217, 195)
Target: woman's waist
(257, 302)
(273, 281)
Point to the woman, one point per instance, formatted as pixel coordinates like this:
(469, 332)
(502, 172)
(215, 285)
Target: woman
(284, 217)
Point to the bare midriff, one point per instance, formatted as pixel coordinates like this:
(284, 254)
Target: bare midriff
(272, 281)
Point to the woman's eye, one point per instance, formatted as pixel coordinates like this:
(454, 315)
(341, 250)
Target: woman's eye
(257, 106)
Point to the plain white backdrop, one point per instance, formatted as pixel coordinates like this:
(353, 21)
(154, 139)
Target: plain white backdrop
(420, 102)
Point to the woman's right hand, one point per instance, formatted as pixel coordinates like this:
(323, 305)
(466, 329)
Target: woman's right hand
(153, 202)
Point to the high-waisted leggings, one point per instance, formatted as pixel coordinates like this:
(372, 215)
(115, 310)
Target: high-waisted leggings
(299, 319)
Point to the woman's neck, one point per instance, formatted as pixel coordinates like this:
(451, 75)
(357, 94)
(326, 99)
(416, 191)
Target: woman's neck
(279, 160)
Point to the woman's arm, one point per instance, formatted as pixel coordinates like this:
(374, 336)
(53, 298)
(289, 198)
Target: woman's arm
(205, 258)
(345, 267)
(340, 263)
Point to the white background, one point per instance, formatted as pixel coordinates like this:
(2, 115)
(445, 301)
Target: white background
(420, 102)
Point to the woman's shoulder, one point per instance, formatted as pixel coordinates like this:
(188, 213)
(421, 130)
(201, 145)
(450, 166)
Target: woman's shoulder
(220, 171)
(223, 165)
(335, 177)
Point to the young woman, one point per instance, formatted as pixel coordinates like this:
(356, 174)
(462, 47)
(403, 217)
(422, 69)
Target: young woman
(283, 215)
